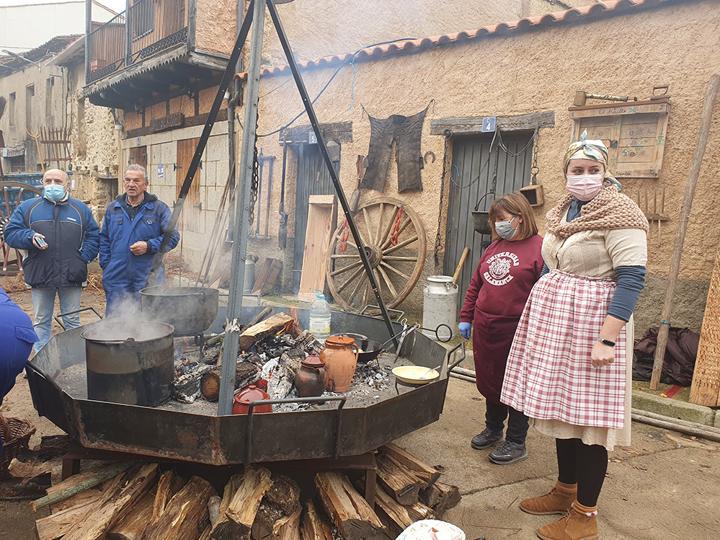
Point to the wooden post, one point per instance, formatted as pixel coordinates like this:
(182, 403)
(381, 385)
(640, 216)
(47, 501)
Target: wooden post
(88, 31)
(705, 123)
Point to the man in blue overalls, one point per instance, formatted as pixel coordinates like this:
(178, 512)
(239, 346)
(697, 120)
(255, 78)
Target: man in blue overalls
(16, 337)
(131, 235)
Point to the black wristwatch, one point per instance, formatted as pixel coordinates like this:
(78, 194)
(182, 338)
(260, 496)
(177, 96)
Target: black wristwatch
(606, 342)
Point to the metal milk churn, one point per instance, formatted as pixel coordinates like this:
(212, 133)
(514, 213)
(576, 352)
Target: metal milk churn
(249, 280)
(439, 304)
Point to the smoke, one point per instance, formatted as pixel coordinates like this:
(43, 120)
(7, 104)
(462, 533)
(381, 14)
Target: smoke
(126, 321)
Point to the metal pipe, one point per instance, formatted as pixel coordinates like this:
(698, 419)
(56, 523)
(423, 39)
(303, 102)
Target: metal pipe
(202, 143)
(242, 211)
(309, 109)
(461, 377)
(283, 217)
(466, 372)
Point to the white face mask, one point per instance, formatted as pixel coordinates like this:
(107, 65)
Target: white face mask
(584, 187)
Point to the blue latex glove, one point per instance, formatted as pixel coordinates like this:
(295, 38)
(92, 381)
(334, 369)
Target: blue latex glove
(465, 329)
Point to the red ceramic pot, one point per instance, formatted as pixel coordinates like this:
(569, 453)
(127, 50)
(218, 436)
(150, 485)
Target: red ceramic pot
(246, 396)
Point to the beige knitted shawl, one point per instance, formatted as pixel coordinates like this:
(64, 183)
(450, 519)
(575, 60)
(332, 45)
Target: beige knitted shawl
(608, 210)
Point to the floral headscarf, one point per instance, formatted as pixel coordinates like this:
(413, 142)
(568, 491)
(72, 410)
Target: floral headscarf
(593, 149)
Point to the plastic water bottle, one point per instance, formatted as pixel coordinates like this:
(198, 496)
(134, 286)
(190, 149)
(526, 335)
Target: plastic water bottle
(320, 318)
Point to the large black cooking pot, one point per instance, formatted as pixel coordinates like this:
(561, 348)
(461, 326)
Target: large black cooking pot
(191, 310)
(129, 361)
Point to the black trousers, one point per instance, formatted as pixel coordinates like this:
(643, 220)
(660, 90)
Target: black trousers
(405, 132)
(584, 465)
(495, 415)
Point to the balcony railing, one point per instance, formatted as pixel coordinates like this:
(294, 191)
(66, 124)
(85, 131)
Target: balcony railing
(148, 27)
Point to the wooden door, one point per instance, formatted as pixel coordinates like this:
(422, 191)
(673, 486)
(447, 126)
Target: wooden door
(138, 155)
(190, 218)
(474, 165)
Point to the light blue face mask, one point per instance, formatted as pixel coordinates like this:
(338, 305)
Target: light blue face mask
(54, 192)
(504, 229)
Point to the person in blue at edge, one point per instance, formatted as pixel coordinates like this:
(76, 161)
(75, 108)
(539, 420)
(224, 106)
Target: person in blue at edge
(17, 337)
(131, 235)
(60, 235)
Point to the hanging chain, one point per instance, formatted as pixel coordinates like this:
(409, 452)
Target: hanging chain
(254, 183)
(534, 169)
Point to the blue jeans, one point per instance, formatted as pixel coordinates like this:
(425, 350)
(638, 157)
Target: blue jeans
(43, 300)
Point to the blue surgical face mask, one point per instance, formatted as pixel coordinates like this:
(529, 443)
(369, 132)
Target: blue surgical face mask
(54, 192)
(505, 229)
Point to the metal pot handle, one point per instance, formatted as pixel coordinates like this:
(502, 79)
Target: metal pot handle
(58, 317)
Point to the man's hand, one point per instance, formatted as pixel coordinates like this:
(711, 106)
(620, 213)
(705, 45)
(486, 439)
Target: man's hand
(39, 242)
(602, 355)
(139, 248)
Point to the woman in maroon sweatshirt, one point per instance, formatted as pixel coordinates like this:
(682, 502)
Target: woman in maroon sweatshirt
(508, 269)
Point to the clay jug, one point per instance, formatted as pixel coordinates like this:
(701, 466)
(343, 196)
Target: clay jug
(246, 396)
(310, 378)
(340, 357)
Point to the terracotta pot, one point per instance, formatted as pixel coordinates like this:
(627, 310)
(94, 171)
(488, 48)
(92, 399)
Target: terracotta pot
(310, 378)
(246, 396)
(340, 357)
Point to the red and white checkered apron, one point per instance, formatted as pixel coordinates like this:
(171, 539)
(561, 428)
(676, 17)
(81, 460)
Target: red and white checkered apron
(549, 375)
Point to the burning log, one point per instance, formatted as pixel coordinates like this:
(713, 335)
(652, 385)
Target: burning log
(240, 504)
(102, 517)
(245, 373)
(277, 511)
(441, 497)
(400, 483)
(186, 387)
(424, 472)
(186, 514)
(314, 526)
(279, 322)
(351, 513)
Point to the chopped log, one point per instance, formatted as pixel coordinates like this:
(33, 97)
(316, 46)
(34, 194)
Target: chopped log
(222, 525)
(393, 514)
(441, 497)
(113, 509)
(168, 485)
(280, 502)
(314, 526)
(206, 533)
(429, 475)
(419, 511)
(213, 509)
(349, 511)
(61, 522)
(245, 373)
(270, 326)
(77, 483)
(401, 484)
(133, 525)
(80, 499)
(186, 514)
(238, 514)
(288, 528)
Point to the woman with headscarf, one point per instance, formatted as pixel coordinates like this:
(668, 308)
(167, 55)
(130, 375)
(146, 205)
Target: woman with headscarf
(570, 364)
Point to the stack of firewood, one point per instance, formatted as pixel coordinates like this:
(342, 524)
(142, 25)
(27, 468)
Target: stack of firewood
(140, 501)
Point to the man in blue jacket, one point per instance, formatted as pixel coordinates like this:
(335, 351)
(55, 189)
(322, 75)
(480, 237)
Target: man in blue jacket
(60, 235)
(131, 235)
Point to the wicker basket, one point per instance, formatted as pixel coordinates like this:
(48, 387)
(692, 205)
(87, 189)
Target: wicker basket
(16, 434)
(705, 388)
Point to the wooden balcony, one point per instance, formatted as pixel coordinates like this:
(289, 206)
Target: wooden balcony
(149, 52)
(149, 27)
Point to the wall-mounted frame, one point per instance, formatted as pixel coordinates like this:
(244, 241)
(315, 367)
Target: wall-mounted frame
(634, 133)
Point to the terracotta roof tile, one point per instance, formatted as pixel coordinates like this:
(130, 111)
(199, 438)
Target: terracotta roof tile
(569, 16)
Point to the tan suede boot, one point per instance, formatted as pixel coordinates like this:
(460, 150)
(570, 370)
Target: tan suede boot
(558, 501)
(579, 524)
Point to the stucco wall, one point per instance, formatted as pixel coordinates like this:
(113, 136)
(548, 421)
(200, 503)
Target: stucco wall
(536, 71)
(215, 25)
(317, 27)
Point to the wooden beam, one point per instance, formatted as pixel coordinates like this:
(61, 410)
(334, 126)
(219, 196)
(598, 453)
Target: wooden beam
(471, 125)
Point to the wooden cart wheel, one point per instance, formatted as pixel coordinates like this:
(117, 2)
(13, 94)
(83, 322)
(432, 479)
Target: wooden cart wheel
(394, 239)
